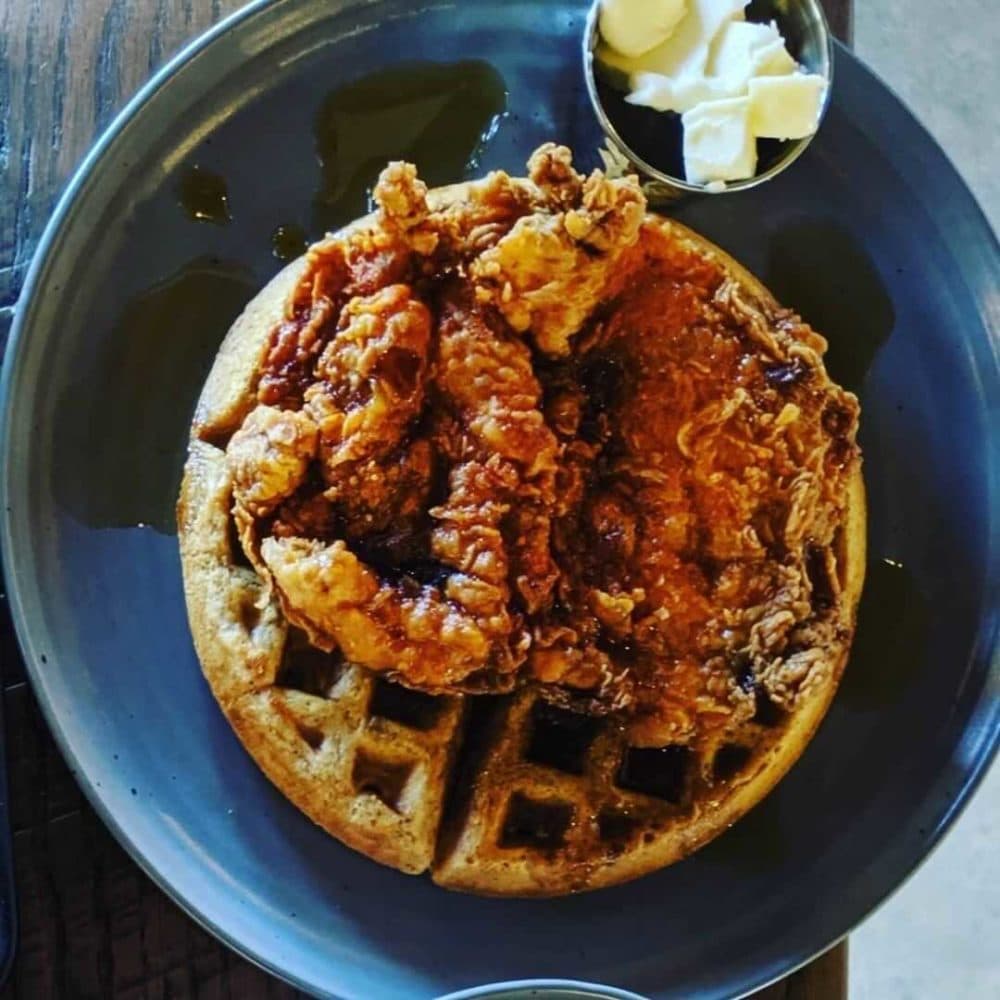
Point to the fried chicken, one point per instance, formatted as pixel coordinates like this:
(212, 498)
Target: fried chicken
(375, 495)
(339, 602)
(465, 475)
(268, 457)
(554, 266)
(486, 378)
(370, 377)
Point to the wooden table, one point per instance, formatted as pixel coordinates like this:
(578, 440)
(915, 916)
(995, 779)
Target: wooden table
(91, 923)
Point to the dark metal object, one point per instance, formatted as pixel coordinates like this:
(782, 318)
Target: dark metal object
(810, 42)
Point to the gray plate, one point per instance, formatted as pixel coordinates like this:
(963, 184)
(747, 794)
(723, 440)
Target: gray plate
(872, 235)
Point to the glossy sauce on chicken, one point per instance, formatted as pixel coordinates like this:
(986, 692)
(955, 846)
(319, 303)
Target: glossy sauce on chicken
(530, 436)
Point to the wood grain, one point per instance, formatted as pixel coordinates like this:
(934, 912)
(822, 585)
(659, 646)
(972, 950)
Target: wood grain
(91, 923)
(66, 67)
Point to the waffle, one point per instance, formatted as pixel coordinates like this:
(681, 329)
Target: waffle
(547, 801)
(493, 794)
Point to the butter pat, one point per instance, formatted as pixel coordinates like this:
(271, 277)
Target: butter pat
(744, 50)
(786, 107)
(633, 27)
(719, 144)
(685, 52)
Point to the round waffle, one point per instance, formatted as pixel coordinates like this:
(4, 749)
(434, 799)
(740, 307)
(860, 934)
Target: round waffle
(513, 793)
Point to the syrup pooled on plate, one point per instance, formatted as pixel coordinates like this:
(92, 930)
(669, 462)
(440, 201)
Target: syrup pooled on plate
(204, 196)
(129, 411)
(439, 116)
(288, 241)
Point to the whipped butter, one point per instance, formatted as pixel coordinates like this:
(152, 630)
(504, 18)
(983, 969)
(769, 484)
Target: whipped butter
(633, 27)
(745, 49)
(732, 80)
(685, 51)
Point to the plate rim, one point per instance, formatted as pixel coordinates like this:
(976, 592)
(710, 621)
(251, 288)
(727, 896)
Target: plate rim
(13, 354)
(90, 163)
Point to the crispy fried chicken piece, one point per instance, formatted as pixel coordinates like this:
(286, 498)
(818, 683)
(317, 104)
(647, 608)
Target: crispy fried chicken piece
(487, 378)
(528, 533)
(311, 310)
(486, 381)
(575, 673)
(371, 378)
(361, 263)
(640, 518)
(268, 457)
(402, 200)
(550, 168)
(329, 593)
(374, 495)
(486, 211)
(553, 267)
(467, 534)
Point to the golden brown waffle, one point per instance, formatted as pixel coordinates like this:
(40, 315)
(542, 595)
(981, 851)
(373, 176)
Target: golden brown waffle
(365, 759)
(499, 795)
(540, 801)
(371, 767)
(546, 801)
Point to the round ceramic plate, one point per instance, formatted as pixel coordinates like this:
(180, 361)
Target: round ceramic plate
(871, 235)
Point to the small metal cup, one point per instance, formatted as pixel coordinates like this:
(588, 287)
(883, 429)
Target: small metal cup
(803, 24)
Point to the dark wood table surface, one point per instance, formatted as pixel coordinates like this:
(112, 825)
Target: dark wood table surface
(91, 923)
